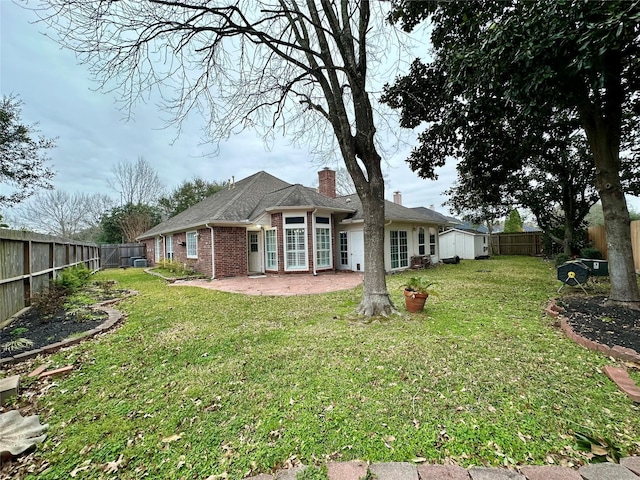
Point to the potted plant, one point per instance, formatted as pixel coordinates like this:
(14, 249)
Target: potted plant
(416, 292)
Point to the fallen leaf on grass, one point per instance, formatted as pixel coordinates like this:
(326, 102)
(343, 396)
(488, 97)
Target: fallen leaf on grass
(112, 467)
(85, 466)
(172, 438)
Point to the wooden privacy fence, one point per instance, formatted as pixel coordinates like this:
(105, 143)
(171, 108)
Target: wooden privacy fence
(120, 255)
(29, 260)
(523, 243)
(599, 239)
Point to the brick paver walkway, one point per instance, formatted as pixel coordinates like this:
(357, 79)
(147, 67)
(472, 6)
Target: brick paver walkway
(629, 469)
(301, 284)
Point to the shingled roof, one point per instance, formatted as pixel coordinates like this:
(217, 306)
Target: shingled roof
(395, 212)
(243, 202)
(436, 216)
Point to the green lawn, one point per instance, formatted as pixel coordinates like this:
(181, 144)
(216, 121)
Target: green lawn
(198, 382)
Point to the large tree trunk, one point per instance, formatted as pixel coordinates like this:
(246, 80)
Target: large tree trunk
(375, 298)
(568, 236)
(604, 140)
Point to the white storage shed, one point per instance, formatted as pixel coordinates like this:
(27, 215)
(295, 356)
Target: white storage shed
(465, 244)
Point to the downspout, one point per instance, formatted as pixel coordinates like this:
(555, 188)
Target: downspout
(384, 233)
(263, 254)
(313, 240)
(213, 262)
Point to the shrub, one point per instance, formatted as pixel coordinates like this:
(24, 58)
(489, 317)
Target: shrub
(591, 252)
(172, 266)
(51, 300)
(73, 278)
(562, 258)
(69, 281)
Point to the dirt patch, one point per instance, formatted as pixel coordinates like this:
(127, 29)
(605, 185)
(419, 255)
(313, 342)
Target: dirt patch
(608, 325)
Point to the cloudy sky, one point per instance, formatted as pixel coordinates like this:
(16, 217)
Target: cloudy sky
(93, 135)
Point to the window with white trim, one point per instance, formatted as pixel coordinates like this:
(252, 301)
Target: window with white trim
(156, 253)
(323, 242)
(344, 249)
(432, 241)
(421, 248)
(192, 244)
(399, 249)
(169, 240)
(295, 243)
(272, 249)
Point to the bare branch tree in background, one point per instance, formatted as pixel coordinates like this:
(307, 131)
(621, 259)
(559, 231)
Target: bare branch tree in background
(137, 183)
(303, 66)
(64, 214)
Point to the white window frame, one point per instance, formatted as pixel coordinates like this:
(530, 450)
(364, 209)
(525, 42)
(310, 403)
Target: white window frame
(192, 244)
(268, 252)
(433, 238)
(421, 241)
(343, 237)
(402, 261)
(325, 230)
(169, 247)
(288, 266)
(156, 253)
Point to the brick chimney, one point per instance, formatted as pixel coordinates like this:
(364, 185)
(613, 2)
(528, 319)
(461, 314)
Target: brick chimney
(397, 198)
(327, 182)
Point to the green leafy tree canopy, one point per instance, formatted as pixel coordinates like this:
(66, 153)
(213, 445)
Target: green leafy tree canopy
(187, 194)
(23, 154)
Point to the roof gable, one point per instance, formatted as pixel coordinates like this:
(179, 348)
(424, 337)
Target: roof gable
(245, 201)
(297, 195)
(236, 203)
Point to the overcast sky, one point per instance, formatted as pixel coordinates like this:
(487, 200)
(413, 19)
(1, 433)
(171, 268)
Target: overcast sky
(92, 134)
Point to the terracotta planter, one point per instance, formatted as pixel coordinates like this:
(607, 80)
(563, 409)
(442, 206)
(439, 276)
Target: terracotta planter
(415, 301)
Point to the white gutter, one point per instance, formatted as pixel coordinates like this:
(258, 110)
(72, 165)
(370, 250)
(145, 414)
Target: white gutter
(213, 262)
(313, 241)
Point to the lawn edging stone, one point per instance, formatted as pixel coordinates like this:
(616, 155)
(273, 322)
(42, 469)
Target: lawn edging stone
(606, 471)
(549, 472)
(353, 470)
(624, 382)
(113, 317)
(632, 463)
(618, 352)
(628, 469)
(618, 375)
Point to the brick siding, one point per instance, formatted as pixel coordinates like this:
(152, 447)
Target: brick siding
(230, 252)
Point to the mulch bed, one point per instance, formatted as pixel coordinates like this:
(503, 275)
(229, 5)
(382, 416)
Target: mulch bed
(43, 331)
(608, 325)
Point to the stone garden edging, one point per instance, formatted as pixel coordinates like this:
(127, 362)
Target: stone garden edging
(618, 375)
(113, 317)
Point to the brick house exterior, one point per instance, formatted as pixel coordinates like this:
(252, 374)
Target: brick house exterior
(262, 224)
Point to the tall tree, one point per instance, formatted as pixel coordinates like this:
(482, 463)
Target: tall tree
(126, 222)
(187, 194)
(23, 154)
(299, 65)
(137, 183)
(64, 214)
(574, 56)
(513, 222)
